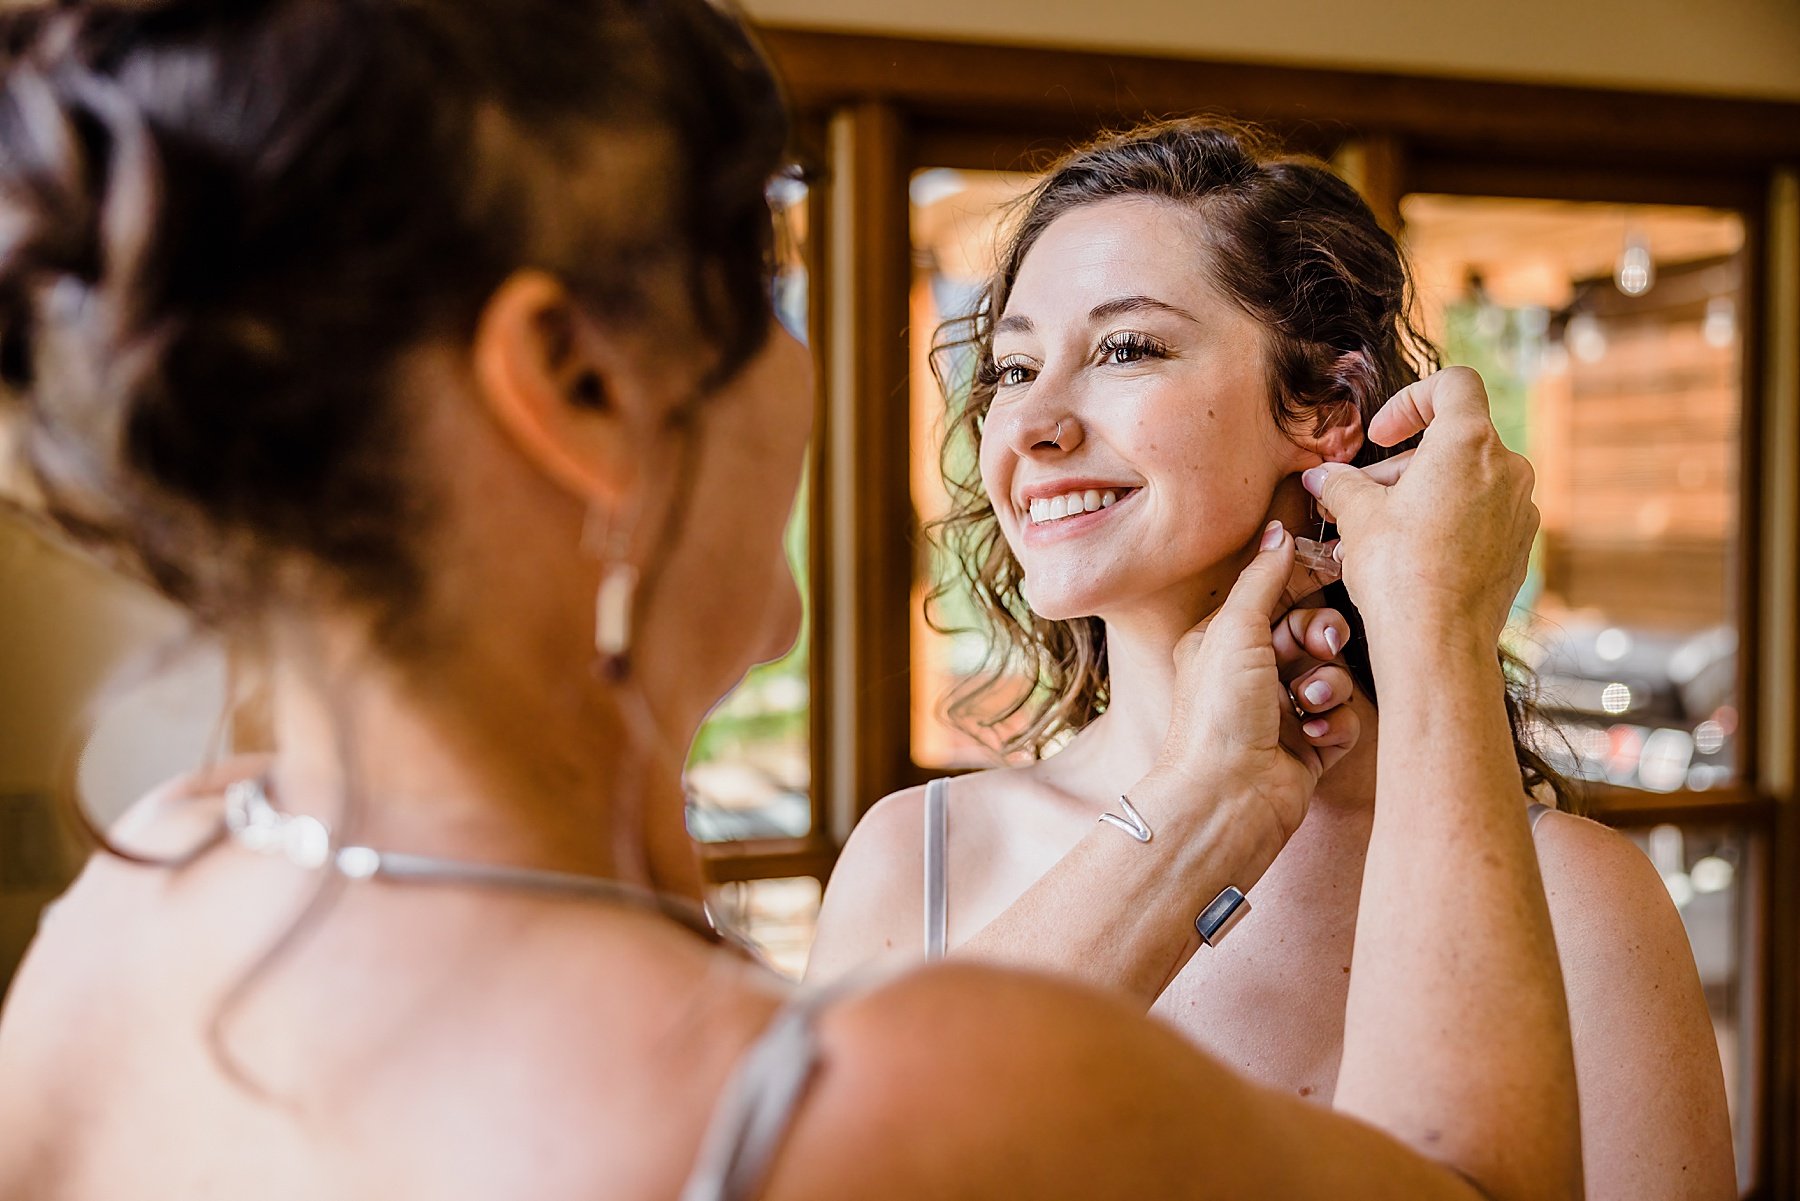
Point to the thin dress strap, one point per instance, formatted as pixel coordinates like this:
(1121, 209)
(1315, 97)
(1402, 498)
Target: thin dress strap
(758, 1105)
(937, 868)
(1535, 813)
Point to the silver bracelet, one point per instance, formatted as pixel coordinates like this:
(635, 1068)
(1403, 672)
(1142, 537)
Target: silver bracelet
(1225, 912)
(1132, 823)
(1220, 916)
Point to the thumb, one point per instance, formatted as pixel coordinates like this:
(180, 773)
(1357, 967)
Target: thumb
(1343, 491)
(1261, 588)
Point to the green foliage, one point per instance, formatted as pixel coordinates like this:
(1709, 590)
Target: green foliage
(1489, 351)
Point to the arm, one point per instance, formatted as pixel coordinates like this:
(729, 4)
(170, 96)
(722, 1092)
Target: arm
(1654, 1125)
(1231, 787)
(1456, 1005)
(967, 1082)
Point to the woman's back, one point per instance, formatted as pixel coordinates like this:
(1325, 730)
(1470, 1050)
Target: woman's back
(428, 1042)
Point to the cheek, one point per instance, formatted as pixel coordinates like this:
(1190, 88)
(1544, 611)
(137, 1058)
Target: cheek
(995, 464)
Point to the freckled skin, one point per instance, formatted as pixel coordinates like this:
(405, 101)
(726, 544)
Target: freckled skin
(1139, 421)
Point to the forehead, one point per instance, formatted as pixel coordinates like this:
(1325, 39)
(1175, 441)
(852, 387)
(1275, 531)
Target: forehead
(1112, 248)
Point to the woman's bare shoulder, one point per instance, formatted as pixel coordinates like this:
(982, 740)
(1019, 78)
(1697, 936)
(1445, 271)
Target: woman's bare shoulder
(1582, 859)
(1646, 1055)
(960, 1080)
(874, 904)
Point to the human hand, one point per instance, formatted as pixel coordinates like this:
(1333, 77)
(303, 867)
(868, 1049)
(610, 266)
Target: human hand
(1443, 532)
(1261, 698)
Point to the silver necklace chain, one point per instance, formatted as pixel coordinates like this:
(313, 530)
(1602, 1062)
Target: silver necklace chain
(254, 822)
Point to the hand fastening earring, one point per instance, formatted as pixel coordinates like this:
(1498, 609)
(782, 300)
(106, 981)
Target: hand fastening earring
(617, 596)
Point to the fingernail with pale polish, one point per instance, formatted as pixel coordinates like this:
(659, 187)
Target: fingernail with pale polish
(1333, 640)
(1316, 728)
(1318, 692)
(1273, 533)
(1313, 479)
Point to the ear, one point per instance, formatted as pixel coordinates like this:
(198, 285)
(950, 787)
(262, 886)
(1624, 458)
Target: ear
(1352, 388)
(542, 370)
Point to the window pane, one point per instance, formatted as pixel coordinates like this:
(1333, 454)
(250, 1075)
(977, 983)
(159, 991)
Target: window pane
(956, 216)
(779, 916)
(1608, 337)
(1706, 870)
(749, 774)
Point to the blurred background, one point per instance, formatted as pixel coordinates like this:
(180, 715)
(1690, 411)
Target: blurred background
(1602, 206)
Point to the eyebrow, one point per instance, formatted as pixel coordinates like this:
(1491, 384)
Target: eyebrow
(1104, 311)
(1108, 309)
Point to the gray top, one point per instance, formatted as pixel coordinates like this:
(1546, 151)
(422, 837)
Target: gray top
(937, 868)
(758, 1105)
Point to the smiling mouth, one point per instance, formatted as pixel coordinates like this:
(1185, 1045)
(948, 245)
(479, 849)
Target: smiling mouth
(1052, 509)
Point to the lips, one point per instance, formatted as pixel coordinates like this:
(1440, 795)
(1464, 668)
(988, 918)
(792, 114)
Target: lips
(1057, 511)
(1072, 504)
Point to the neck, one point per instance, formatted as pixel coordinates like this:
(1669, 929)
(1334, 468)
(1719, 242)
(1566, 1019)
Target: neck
(1122, 744)
(480, 761)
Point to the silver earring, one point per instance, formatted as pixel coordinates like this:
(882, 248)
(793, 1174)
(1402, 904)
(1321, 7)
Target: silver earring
(617, 597)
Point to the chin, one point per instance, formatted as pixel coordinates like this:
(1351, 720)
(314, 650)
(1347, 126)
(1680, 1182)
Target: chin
(1066, 602)
(784, 623)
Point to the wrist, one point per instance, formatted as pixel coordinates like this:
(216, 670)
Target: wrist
(1219, 831)
(1438, 638)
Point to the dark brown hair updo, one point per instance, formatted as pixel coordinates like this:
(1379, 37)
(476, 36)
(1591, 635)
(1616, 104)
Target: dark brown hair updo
(224, 223)
(1295, 247)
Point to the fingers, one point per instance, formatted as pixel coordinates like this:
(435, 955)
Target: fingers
(1454, 390)
(1332, 735)
(1344, 492)
(1388, 471)
(1322, 689)
(1262, 585)
(1305, 636)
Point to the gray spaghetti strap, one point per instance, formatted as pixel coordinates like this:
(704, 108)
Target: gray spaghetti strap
(758, 1105)
(1536, 814)
(937, 868)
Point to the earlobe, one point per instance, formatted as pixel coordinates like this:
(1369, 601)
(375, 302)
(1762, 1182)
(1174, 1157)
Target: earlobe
(1351, 387)
(1340, 435)
(540, 385)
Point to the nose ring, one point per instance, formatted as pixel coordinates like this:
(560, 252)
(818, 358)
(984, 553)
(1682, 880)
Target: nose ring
(1057, 441)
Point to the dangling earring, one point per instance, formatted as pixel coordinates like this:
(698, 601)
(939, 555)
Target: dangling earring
(617, 597)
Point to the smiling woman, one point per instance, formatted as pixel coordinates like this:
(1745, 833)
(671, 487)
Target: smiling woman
(1187, 321)
(1305, 299)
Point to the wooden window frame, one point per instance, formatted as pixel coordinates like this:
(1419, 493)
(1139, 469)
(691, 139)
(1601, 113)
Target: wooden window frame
(870, 110)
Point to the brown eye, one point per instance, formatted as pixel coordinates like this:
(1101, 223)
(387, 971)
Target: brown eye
(1013, 374)
(1123, 349)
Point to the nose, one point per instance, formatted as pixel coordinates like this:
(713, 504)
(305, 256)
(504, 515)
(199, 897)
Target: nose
(1041, 433)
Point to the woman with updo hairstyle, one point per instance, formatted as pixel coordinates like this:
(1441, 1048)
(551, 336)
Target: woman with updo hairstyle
(422, 351)
(1183, 321)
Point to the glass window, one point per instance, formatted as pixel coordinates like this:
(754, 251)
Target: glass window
(956, 218)
(777, 915)
(749, 773)
(1608, 337)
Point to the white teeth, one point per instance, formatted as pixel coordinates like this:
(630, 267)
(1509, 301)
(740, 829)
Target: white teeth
(1072, 504)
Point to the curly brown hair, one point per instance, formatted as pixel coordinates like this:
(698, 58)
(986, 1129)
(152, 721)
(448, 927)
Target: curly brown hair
(1291, 244)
